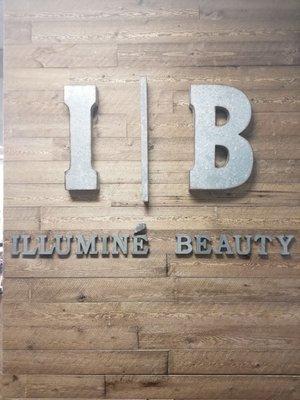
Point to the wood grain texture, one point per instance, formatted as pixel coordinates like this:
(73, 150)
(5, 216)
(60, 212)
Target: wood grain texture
(59, 386)
(162, 327)
(230, 362)
(182, 387)
(85, 362)
(68, 290)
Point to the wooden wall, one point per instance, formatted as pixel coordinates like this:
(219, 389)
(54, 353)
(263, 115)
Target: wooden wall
(160, 327)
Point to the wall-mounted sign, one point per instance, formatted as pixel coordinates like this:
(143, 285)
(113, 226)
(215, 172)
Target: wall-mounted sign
(138, 245)
(205, 101)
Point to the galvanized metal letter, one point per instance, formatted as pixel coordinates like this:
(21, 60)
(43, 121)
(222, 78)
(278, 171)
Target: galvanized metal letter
(285, 241)
(183, 244)
(81, 175)
(205, 99)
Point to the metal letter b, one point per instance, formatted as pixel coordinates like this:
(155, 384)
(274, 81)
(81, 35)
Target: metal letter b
(205, 99)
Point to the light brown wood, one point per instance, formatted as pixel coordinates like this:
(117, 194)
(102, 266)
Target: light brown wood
(78, 337)
(68, 290)
(157, 317)
(85, 362)
(233, 361)
(162, 327)
(180, 387)
(35, 386)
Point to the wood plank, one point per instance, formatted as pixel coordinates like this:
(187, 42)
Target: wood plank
(19, 218)
(64, 218)
(67, 218)
(68, 290)
(263, 124)
(260, 337)
(162, 126)
(21, 105)
(69, 338)
(60, 56)
(193, 362)
(175, 79)
(178, 78)
(162, 195)
(167, 149)
(127, 149)
(57, 195)
(274, 266)
(236, 289)
(154, 316)
(93, 267)
(254, 10)
(59, 386)
(76, 10)
(208, 387)
(37, 79)
(62, 386)
(68, 362)
(17, 290)
(251, 193)
(210, 53)
(175, 30)
(50, 104)
(161, 172)
(17, 33)
(108, 125)
(261, 100)
(52, 172)
(12, 385)
(258, 218)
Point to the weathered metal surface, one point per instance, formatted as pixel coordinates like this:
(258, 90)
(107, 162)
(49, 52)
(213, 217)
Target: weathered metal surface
(81, 175)
(140, 229)
(144, 140)
(205, 174)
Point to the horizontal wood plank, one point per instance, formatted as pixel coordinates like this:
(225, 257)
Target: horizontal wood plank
(259, 337)
(123, 149)
(275, 266)
(60, 56)
(210, 53)
(68, 290)
(208, 387)
(102, 289)
(76, 10)
(177, 30)
(192, 362)
(180, 317)
(35, 195)
(87, 268)
(21, 218)
(67, 218)
(69, 338)
(53, 386)
(175, 78)
(161, 172)
(84, 362)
